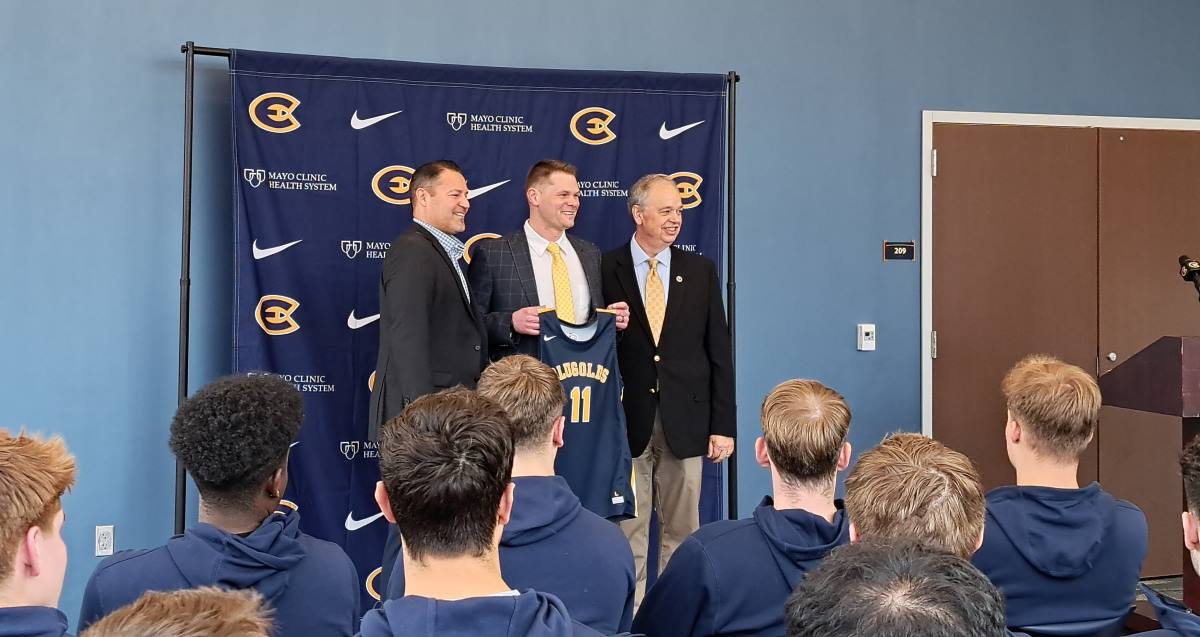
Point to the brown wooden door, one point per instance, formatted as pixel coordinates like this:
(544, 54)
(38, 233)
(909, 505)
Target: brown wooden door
(1014, 272)
(1149, 215)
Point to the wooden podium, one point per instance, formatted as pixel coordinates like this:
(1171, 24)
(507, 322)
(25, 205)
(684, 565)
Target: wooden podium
(1163, 378)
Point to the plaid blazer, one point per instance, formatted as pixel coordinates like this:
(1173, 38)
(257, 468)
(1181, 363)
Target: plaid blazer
(502, 282)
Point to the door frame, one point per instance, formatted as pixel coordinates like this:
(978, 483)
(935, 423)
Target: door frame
(928, 161)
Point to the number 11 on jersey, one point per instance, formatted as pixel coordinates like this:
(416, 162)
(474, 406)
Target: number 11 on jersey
(581, 404)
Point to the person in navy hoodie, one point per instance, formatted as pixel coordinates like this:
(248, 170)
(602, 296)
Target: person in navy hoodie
(1175, 618)
(34, 474)
(895, 587)
(911, 486)
(445, 465)
(188, 613)
(732, 577)
(551, 543)
(233, 437)
(1058, 552)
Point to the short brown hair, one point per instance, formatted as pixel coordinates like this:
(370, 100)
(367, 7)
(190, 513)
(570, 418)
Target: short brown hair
(542, 170)
(530, 393)
(426, 174)
(34, 474)
(445, 462)
(1057, 402)
(914, 487)
(197, 612)
(805, 424)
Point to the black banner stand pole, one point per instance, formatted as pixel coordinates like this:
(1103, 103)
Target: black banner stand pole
(190, 51)
(730, 271)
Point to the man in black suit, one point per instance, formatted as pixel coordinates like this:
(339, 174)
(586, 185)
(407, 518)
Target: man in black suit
(430, 336)
(538, 266)
(677, 363)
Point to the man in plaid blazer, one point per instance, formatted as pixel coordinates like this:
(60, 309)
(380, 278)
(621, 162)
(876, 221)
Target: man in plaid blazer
(511, 278)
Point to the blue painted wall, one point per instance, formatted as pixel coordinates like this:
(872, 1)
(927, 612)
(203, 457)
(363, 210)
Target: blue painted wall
(828, 145)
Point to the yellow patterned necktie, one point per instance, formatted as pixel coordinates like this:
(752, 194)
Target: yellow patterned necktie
(656, 304)
(564, 305)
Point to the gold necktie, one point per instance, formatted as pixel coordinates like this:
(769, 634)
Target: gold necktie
(564, 306)
(656, 303)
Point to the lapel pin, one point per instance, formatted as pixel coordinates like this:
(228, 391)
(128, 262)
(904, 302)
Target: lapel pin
(678, 279)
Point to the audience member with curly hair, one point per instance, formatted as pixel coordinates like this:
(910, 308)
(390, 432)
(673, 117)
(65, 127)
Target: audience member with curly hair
(233, 437)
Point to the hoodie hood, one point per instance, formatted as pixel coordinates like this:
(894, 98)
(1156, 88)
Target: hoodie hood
(542, 506)
(798, 539)
(529, 613)
(32, 621)
(1058, 531)
(206, 555)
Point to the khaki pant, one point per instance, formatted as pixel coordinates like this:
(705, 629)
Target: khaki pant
(671, 487)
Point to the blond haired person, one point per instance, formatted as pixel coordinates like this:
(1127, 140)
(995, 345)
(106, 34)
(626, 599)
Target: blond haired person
(910, 486)
(34, 474)
(733, 577)
(200, 612)
(1059, 553)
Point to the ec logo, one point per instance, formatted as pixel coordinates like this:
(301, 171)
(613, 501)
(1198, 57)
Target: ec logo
(596, 131)
(273, 112)
(689, 188)
(274, 314)
(475, 239)
(392, 183)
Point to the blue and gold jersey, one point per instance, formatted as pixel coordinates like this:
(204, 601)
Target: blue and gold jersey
(594, 459)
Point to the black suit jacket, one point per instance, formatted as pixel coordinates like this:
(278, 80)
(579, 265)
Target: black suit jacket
(502, 282)
(430, 337)
(688, 376)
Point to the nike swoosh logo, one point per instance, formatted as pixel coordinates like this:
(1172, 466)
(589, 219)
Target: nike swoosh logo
(359, 124)
(262, 253)
(354, 525)
(549, 338)
(355, 323)
(668, 133)
(475, 192)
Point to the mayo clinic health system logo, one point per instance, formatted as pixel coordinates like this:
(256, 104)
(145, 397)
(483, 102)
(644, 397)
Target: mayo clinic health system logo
(350, 449)
(286, 180)
(368, 249)
(592, 125)
(486, 123)
(274, 112)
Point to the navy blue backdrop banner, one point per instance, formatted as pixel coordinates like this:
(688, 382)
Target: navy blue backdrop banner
(323, 151)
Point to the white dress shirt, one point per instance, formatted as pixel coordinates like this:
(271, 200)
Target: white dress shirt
(542, 264)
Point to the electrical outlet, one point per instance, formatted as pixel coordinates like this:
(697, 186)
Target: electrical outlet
(104, 540)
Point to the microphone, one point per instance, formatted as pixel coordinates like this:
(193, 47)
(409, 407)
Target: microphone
(1188, 268)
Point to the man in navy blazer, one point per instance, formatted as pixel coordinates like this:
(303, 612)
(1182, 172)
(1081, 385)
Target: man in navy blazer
(512, 278)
